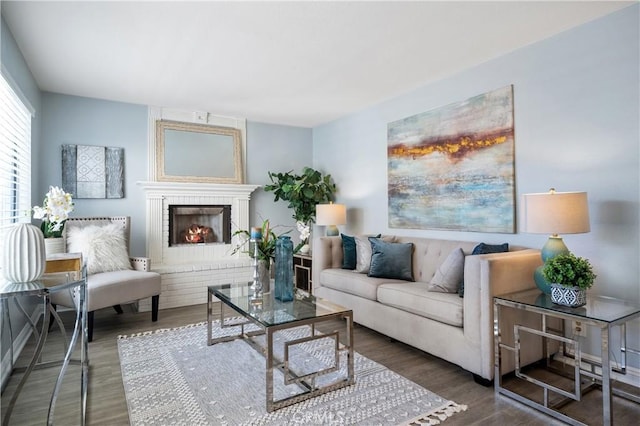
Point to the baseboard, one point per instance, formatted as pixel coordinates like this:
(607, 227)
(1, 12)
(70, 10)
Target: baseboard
(631, 378)
(18, 345)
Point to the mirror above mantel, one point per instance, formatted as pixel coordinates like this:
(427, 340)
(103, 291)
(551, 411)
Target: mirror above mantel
(192, 152)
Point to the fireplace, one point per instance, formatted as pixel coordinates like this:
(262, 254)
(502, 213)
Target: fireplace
(199, 224)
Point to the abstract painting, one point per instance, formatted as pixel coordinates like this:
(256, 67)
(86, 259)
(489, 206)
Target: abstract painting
(452, 168)
(93, 171)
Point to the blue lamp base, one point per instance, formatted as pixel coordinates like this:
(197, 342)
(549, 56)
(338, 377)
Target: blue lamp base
(553, 247)
(332, 231)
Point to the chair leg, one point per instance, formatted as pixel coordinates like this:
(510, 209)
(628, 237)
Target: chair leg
(155, 301)
(118, 308)
(90, 326)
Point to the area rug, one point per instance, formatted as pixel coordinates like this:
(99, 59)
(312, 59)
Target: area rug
(172, 377)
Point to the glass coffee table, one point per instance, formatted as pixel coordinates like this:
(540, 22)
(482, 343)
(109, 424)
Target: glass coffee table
(264, 317)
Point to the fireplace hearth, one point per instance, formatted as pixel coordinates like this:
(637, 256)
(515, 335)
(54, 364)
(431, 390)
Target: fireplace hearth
(199, 224)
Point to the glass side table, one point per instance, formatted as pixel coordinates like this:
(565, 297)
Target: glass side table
(76, 290)
(602, 312)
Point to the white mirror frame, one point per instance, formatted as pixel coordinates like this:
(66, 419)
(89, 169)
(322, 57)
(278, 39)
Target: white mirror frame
(162, 125)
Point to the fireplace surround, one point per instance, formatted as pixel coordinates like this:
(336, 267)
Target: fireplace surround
(187, 269)
(199, 224)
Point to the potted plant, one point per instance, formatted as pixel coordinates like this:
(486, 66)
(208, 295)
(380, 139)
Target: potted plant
(303, 192)
(55, 210)
(266, 249)
(570, 276)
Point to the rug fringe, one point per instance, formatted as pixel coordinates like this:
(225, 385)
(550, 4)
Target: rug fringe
(160, 330)
(437, 416)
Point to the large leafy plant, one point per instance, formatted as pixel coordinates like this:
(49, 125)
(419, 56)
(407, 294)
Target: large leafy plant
(302, 191)
(569, 270)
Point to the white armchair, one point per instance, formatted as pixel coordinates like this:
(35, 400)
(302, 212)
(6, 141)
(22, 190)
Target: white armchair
(115, 285)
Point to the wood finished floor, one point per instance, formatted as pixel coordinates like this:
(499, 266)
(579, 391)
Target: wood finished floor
(107, 405)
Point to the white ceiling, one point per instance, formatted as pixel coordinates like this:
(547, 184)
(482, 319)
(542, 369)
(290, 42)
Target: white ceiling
(297, 63)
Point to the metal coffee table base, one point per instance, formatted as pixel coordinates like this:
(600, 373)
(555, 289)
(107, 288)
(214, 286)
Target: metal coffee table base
(308, 380)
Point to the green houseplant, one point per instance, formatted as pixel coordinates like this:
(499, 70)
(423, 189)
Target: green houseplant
(266, 253)
(266, 246)
(570, 276)
(302, 191)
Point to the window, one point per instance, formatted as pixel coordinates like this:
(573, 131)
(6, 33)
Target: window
(15, 160)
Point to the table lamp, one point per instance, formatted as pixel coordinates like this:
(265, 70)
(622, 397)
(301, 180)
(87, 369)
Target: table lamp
(331, 215)
(554, 213)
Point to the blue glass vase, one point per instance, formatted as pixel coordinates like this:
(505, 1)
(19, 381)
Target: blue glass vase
(284, 269)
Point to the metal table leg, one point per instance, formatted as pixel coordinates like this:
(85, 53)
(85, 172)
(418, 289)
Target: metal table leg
(32, 364)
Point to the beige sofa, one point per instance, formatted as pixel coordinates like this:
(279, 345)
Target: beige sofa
(457, 329)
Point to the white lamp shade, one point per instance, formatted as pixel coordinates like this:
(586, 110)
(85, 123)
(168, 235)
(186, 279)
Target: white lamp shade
(331, 214)
(555, 213)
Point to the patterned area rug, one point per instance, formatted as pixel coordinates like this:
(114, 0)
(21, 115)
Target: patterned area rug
(173, 377)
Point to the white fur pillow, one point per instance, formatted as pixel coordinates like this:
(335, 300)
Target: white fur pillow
(103, 248)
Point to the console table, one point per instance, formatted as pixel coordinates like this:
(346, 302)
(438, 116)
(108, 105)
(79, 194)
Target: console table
(605, 313)
(75, 288)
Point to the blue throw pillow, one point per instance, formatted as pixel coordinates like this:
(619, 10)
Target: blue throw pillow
(483, 248)
(348, 252)
(391, 260)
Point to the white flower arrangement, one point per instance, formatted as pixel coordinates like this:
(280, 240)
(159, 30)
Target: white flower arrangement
(54, 211)
(304, 230)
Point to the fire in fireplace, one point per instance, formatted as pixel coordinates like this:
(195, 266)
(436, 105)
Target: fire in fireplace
(201, 224)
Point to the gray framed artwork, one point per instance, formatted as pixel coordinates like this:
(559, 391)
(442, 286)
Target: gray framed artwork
(93, 171)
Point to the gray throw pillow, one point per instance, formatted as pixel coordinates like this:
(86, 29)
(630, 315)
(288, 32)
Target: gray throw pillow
(363, 254)
(449, 275)
(391, 260)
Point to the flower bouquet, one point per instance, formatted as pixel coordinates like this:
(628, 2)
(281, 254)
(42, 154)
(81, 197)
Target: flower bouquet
(54, 212)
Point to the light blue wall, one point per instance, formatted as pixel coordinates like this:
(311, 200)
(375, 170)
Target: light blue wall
(274, 148)
(83, 121)
(576, 106)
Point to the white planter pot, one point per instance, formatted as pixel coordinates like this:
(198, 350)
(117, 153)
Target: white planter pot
(568, 296)
(24, 256)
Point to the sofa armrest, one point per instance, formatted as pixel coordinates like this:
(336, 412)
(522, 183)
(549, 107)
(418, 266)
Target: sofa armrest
(327, 253)
(141, 263)
(486, 276)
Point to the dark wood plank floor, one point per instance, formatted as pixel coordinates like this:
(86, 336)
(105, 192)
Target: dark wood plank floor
(107, 405)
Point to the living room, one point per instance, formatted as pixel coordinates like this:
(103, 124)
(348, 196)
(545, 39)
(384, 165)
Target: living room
(576, 109)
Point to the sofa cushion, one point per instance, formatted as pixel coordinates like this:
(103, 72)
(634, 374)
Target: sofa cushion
(449, 274)
(353, 282)
(417, 299)
(111, 288)
(348, 252)
(391, 260)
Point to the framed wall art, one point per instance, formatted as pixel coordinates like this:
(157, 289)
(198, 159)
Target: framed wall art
(452, 168)
(93, 171)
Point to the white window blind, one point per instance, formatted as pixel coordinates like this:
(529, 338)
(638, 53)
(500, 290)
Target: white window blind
(15, 160)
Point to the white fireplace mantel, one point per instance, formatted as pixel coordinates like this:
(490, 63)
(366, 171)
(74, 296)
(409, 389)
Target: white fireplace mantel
(159, 195)
(186, 188)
